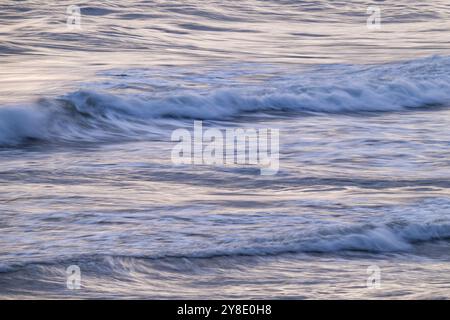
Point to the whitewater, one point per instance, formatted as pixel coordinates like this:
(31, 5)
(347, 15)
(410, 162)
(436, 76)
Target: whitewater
(86, 176)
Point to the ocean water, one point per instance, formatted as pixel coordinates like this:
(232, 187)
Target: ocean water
(86, 176)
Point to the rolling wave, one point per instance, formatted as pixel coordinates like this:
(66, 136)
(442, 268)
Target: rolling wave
(374, 239)
(91, 115)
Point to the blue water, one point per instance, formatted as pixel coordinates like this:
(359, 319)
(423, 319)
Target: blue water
(86, 176)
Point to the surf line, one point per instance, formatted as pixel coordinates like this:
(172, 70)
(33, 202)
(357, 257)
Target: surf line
(230, 146)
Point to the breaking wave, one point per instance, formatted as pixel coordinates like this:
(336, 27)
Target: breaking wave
(390, 238)
(91, 115)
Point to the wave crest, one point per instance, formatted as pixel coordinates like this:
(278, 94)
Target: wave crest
(389, 238)
(93, 115)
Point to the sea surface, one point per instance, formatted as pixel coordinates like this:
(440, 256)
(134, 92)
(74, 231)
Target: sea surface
(87, 179)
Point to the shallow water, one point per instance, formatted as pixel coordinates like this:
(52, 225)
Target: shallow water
(86, 175)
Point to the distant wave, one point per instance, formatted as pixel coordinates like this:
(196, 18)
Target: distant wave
(91, 115)
(392, 238)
